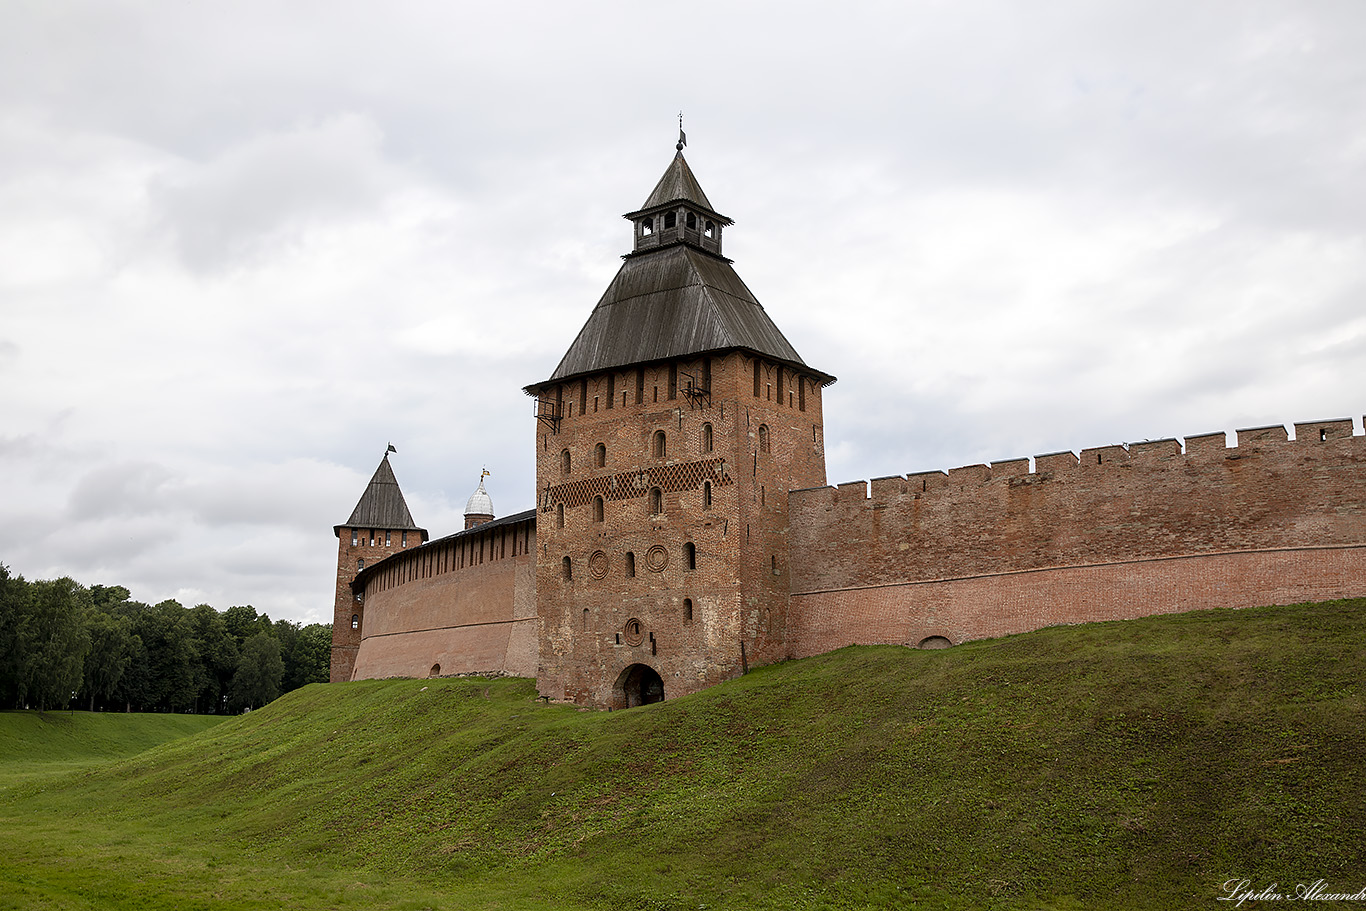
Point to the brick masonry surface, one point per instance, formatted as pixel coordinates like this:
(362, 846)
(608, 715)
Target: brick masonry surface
(459, 605)
(983, 607)
(667, 513)
(945, 554)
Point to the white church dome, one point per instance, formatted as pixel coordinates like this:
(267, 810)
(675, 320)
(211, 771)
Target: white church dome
(479, 504)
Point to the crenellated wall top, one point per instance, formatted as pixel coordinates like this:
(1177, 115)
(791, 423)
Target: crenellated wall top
(1202, 446)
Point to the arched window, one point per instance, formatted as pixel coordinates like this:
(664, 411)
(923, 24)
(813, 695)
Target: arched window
(661, 446)
(656, 501)
(559, 515)
(566, 569)
(355, 621)
(763, 438)
(360, 564)
(709, 228)
(647, 226)
(690, 555)
(706, 494)
(691, 221)
(597, 509)
(687, 610)
(630, 565)
(706, 438)
(564, 461)
(670, 219)
(435, 671)
(600, 455)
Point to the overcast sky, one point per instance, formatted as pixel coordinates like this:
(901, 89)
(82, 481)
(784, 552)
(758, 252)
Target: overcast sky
(244, 246)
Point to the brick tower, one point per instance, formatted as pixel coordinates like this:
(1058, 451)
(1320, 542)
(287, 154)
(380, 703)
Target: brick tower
(667, 440)
(379, 525)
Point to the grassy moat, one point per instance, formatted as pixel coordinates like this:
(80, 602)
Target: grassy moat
(1137, 764)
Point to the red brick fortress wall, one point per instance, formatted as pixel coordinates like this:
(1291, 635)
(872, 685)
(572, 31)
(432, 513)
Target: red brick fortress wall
(463, 604)
(348, 614)
(987, 550)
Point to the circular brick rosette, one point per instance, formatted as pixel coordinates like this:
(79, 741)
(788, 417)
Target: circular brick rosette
(597, 564)
(633, 632)
(656, 558)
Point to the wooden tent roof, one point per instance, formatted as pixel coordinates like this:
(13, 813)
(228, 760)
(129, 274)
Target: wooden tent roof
(678, 185)
(382, 505)
(674, 301)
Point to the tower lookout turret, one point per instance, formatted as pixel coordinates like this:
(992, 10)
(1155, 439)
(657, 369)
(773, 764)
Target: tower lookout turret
(667, 440)
(379, 525)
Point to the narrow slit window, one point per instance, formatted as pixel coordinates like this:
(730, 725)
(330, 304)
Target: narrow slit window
(706, 494)
(661, 446)
(600, 455)
(656, 501)
(630, 565)
(687, 610)
(706, 438)
(597, 509)
(690, 555)
(567, 569)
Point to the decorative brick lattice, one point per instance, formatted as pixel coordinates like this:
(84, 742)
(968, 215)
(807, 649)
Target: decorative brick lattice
(632, 484)
(597, 564)
(656, 558)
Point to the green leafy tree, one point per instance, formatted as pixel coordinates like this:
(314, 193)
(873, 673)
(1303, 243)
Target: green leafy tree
(309, 659)
(15, 607)
(112, 649)
(172, 657)
(54, 655)
(259, 672)
(243, 622)
(218, 657)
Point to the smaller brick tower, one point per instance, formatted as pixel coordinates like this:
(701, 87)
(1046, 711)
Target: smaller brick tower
(379, 526)
(667, 440)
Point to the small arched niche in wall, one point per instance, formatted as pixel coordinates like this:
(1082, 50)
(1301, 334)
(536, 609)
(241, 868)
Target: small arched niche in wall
(935, 642)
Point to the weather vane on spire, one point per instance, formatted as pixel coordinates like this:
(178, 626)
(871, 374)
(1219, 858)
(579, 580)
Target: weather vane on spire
(682, 137)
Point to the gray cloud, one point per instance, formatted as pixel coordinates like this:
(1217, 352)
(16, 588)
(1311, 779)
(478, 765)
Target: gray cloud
(242, 247)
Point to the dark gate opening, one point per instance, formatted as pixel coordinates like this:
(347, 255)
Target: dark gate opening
(639, 684)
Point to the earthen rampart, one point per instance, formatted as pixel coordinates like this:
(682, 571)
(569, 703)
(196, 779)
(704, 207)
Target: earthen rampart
(985, 550)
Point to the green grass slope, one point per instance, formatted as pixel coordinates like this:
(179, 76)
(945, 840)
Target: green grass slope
(1123, 765)
(37, 741)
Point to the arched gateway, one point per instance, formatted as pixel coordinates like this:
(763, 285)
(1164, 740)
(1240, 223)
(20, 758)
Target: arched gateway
(639, 684)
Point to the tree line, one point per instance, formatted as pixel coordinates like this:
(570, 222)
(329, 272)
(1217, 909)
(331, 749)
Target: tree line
(63, 645)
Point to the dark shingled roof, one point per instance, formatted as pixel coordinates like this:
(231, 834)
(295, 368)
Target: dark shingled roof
(382, 505)
(674, 302)
(678, 184)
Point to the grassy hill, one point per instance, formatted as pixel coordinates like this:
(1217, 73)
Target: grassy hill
(1123, 765)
